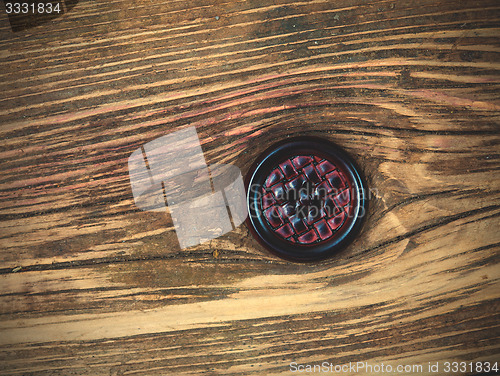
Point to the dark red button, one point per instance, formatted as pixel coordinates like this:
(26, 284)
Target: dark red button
(306, 199)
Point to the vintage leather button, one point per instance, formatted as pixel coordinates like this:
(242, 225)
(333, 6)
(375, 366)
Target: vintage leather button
(306, 199)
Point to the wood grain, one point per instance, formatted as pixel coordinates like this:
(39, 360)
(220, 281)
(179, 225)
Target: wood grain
(92, 285)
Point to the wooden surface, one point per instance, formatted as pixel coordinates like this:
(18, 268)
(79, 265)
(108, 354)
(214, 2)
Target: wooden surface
(90, 285)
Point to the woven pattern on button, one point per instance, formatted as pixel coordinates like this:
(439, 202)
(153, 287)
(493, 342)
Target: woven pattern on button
(305, 199)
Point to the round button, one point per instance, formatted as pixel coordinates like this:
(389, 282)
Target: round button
(306, 199)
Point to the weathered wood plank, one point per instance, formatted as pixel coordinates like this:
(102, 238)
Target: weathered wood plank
(92, 285)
